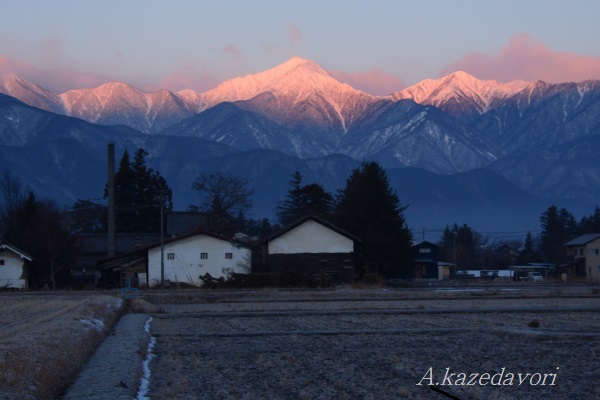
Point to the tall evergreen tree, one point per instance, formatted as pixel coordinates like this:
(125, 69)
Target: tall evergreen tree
(590, 224)
(288, 210)
(370, 209)
(528, 254)
(558, 227)
(139, 194)
(40, 228)
(300, 201)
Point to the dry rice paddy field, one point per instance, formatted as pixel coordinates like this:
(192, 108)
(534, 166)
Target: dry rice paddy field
(537, 342)
(378, 344)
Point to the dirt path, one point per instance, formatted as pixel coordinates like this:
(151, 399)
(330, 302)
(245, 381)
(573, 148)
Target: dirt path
(115, 370)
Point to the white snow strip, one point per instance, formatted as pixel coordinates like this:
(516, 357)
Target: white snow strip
(147, 325)
(117, 304)
(94, 323)
(145, 380)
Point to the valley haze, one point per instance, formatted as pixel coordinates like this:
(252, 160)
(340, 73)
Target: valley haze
(456, 149)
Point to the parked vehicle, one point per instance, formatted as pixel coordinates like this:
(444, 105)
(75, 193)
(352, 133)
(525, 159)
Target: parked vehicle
(534, 276)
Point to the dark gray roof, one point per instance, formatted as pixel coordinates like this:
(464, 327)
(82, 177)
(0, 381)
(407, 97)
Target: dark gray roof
(583, 239)
(126, 242)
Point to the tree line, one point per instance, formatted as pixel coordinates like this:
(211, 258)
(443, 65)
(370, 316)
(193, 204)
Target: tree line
(468, 248)
(366, 207)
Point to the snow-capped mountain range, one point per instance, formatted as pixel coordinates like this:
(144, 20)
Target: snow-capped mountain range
(542, 137)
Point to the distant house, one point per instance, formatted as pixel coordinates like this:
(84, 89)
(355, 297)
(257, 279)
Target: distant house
(185, 259)
(94, 248)
(311, 246)
(425, 261)
(583, 253)
(13, 267)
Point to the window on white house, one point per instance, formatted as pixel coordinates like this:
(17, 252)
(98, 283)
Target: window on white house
(204, 256)
(229, 256)
(170, 256)
(1, 262)
(597, 252)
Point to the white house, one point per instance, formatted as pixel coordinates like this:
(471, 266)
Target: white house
(185, 259)
(312, 246)
(584, 254)
(13, 271)
(188, 257)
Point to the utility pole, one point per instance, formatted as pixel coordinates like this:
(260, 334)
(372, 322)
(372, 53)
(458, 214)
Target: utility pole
(162, 242)
(454, 250)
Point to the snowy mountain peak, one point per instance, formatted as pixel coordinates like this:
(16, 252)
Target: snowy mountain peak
(31, 94)
(292, 74)
(460, 87)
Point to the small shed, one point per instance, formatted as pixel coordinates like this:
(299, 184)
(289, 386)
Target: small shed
(13, 267)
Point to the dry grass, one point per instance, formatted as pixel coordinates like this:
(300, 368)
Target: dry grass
(141, 306)
(46, 339)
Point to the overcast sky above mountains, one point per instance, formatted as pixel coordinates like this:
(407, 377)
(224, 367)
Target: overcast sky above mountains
(379, 48)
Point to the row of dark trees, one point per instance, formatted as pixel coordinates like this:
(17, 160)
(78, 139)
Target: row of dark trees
(366, 207)
(470, 249)
(41, 229)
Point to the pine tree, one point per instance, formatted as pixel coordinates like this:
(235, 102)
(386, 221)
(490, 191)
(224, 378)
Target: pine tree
(590, 224)
(528, 253)
(305, 200)
(289, 209)
(558, 227)
(370, 209)
(139, 192)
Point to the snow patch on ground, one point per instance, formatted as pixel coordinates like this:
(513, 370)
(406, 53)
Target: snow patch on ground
(94, 323)
(145, 381)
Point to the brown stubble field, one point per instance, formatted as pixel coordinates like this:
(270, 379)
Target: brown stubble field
(369, 343)
(46, 338)
(377, 344)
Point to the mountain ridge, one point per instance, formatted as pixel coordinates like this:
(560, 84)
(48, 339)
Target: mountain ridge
(542, 137)
(292, 81)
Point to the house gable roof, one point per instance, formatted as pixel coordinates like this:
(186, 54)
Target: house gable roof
(316, 219)
(22, 254)
(423, 243)
(583, 239)
(142, 251)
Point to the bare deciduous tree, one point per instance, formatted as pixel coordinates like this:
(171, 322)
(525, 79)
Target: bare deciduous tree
(223, 196)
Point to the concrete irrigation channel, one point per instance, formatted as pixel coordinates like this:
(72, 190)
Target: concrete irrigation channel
(539, 342)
